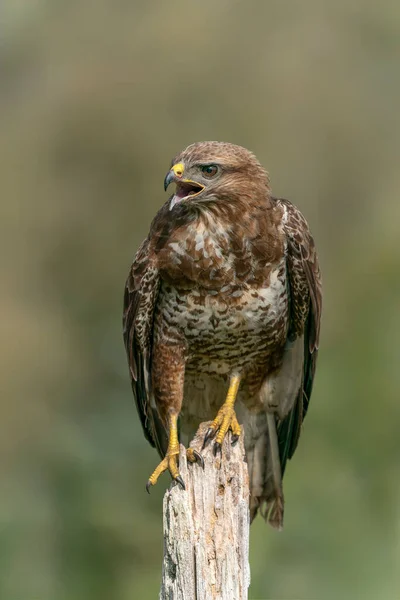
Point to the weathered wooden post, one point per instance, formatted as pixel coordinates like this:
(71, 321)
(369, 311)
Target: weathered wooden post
(206, 527)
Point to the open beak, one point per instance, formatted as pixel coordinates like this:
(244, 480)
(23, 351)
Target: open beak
(184, 187)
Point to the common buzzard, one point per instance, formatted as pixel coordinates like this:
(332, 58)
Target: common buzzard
(221, 318)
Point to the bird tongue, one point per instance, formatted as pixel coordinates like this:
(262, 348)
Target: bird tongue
(174, 200)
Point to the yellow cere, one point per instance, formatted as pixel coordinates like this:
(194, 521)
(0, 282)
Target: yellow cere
(178, 169)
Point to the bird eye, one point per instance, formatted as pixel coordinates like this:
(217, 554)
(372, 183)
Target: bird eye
(209, 170)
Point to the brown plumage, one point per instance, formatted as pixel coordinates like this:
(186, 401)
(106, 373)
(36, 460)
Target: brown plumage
(226, 284)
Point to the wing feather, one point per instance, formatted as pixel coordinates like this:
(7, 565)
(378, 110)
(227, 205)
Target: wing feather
(306, 302)
(140, 298)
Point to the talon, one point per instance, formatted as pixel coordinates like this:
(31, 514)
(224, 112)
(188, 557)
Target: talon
(199, 458)
(148, 486)
(217, 448)
(179, 480)
(209, 435)
(194, 456)
(234, 439)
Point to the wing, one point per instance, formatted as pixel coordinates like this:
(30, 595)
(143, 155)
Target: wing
(140, 298)
(305, 314)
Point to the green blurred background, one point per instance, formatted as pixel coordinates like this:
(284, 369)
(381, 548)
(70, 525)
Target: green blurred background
(95, 99)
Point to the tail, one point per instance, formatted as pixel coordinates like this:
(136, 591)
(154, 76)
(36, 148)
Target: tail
(274, 433)
(264, 465)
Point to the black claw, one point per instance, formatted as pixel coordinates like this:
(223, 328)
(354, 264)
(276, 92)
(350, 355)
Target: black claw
(234, 439)
(180, 481)
(217, 448)
(199, 458)
(209, 435)
(148, 486)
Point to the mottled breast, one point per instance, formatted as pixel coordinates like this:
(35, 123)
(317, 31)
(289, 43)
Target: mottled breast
(223, 329)
(224, 290)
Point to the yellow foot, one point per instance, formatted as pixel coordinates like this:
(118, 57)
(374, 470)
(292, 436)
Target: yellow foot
(193, 456)
(169, 463)
(226, 419)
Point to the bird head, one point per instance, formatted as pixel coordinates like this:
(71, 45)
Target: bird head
(215, 171)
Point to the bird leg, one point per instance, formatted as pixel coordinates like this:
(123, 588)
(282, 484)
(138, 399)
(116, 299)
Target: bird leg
(170, 461)
(225, 419)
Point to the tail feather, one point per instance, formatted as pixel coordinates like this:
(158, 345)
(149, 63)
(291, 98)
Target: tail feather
(264, 469)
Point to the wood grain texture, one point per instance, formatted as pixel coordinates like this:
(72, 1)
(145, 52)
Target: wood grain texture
(206, 527)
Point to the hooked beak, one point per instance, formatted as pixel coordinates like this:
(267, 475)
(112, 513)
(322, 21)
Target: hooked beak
(169, 178)
(174, 174)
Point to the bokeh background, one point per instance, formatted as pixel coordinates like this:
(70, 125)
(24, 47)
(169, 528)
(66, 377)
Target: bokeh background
(95, 99)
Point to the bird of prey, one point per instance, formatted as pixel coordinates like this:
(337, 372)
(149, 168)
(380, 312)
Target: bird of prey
(221, 318)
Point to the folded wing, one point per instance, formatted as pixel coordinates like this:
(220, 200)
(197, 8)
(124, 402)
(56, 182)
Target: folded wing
(141, 292)
(305, 295)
